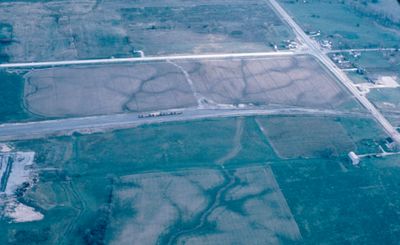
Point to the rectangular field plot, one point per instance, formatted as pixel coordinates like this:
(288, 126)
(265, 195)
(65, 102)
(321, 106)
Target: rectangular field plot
(232, 141)
(242, 206)
(286, 81)
(63, 30)
(297, 81)
(336, 203)
(93, 90)
(324, 137)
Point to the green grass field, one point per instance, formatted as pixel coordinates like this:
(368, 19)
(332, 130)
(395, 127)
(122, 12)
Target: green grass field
(82, 177)
(336, 203)
(344, 23)
(321, 137)
(77, 174)
(11, 97)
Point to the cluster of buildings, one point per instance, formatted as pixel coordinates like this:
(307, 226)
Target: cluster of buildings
(343, 63)
(326, 44)
(314, 33)
(290, 44)
(391, 149)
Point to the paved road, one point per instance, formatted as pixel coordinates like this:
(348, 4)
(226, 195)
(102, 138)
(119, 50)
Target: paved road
(360, 50)
(30, 130)
(148, 58)
(315, 50)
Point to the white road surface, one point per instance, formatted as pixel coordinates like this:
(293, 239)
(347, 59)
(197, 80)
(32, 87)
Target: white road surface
(147, 58)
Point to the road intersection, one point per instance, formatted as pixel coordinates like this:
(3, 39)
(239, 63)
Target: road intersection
(316, 51)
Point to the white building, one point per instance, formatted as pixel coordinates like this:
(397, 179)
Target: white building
(355, 160)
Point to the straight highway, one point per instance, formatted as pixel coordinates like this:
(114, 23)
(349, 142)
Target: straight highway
(315, 50)
(31, 130)
(359, 50)
(148, 58)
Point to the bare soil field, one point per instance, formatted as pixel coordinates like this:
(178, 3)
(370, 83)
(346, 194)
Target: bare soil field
(288, 81)
(79, 91)
(93, 90)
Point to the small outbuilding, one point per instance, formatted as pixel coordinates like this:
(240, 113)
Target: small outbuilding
(355, 160)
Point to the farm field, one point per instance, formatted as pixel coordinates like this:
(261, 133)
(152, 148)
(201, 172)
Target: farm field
(226, 125)
(94, 90)
(64, 30)
(11, 97)
(348, 24)
(73, 91)
(95, 184)
(296, 81)
(200, 206)
(325, 136)
(336, 203)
